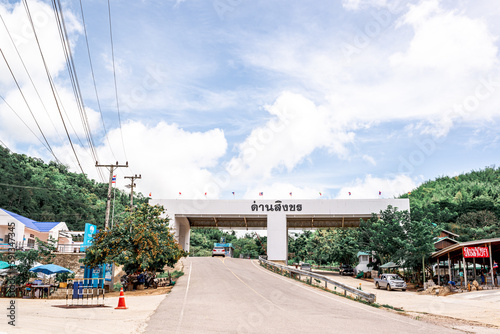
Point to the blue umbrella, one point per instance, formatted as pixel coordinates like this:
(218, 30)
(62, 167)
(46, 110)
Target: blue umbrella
(50, 269)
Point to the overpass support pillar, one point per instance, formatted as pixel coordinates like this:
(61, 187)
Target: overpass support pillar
(182, 232)
(277, 237)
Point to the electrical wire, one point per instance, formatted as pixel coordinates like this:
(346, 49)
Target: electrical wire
(37, 93)
(70, 64)
(3, 144)
(26, 7)
(29, 108)
(114, 76)
(93, 80)
(8, 105)
(29, 76)
(27, 187)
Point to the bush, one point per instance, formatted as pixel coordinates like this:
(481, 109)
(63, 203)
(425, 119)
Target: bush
(63, 277)
(176, 274)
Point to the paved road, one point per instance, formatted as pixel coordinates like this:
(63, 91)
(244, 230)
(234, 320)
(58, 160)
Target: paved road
(238, 296)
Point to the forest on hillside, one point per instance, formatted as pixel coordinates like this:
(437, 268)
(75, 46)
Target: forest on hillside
(49, 192)
(466, 204)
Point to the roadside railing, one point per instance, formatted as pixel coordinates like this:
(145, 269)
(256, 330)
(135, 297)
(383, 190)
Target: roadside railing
(369, 297)
(69, 248)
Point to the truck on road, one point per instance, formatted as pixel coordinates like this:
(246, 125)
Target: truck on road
(390, 282)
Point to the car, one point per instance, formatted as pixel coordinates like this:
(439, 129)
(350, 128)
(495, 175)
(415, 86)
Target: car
(346, 269)
(219, 251)
(390, 282)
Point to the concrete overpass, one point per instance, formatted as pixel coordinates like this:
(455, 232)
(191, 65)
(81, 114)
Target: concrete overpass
(277, 216)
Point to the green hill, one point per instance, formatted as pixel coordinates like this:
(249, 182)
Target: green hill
(49, 192)
(467, 204)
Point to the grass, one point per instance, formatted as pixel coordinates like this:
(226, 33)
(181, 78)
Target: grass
(175, 274)
(392, 307)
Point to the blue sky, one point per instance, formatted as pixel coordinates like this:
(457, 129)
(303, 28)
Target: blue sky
(264, 96)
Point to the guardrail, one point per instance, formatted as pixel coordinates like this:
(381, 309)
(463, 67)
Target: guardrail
(369, 297)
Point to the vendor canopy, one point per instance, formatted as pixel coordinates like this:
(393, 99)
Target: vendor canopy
(50, 269)
(389, 265)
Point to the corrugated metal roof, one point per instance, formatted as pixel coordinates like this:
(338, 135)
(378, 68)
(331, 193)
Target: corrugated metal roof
(32, 224)
(463, 244)
(45, 226)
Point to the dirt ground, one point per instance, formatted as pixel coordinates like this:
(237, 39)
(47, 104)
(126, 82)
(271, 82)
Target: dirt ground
(43, 316)
(145, 292)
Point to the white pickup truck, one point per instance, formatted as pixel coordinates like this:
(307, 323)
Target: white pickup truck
(390, 282)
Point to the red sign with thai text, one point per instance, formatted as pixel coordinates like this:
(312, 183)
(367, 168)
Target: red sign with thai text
(476, 252)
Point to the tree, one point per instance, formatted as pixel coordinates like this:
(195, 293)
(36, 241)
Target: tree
(28, 258)
(345, 246)
(143, 241)
(477, 225)
(418, 242)
(247, 246)
(385, 235)
(202, 240)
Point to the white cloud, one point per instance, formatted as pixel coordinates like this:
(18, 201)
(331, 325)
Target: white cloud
(370, 159)
(370, 186)
(446, 41)
(418, 79)
(170, 159)
(297, 128)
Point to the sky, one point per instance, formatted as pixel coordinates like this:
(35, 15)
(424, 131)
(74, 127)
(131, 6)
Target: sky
(293, 99)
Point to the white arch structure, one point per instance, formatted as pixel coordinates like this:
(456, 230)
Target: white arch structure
(277, 216)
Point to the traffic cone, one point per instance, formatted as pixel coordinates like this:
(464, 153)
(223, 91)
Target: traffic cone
(121, 301)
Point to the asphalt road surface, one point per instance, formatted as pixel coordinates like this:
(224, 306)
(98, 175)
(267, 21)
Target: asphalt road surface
(228, 295)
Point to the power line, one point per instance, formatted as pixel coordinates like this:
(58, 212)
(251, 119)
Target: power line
(29, 76)
(26, 7)
(36, 90)
(8, 105)
(70, 65)
(114, 76)
(93, 79)
(72, 72)
(28, 187)
(4, 145)
(29, 108)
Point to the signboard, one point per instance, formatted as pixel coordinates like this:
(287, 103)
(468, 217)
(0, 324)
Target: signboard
(90, 230)
(476, 252)
(108, 271)
(96, 274)
(229, 245)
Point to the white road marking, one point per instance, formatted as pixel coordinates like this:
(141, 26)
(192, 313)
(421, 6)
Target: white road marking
(248, 286)
(185, 298)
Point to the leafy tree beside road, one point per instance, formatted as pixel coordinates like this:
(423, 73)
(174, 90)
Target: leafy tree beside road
(143, 241)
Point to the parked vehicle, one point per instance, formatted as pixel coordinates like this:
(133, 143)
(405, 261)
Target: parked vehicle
(346, 269)
(390, 282)
(219, 251)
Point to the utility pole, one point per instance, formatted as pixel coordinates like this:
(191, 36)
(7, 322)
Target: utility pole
(108, 203)
(132, 185)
